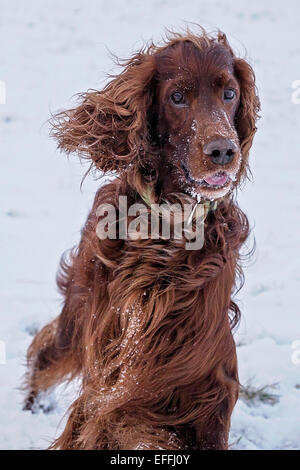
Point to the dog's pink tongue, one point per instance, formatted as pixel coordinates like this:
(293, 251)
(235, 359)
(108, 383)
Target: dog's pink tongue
(217, 180)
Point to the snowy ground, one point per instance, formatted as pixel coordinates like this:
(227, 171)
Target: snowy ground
(51, 50)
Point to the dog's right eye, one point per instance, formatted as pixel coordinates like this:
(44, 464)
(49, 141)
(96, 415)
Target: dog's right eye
(177, 98)
(229, 94)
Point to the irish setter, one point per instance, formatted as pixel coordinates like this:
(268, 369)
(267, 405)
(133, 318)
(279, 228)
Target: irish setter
(147, 324)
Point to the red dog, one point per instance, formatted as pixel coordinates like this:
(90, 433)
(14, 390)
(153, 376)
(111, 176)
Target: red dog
(147, 324)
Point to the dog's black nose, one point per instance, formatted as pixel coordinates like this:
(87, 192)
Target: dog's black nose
(221, 151)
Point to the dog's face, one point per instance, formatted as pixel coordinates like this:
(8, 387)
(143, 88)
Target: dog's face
(197, 99)
(180, 118)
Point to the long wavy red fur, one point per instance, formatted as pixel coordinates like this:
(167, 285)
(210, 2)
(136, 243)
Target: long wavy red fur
(146, 324)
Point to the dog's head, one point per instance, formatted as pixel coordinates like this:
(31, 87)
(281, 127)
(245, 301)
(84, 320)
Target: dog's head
(179, 117)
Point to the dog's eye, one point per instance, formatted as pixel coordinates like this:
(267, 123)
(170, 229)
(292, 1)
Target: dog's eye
(229, 94)
(177, 97)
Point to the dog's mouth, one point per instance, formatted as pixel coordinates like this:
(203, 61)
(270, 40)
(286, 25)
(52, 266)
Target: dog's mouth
(217, 180)
(214, 181)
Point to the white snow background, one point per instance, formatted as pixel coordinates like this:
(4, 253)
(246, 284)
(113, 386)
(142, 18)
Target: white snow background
(51, 50)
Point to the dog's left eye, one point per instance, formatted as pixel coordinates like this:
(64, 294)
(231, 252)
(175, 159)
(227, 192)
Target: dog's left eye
(177, 98)
(229, 94)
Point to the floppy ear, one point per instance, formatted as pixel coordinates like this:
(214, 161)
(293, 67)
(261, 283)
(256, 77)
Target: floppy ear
(110, 126)
(247, 113)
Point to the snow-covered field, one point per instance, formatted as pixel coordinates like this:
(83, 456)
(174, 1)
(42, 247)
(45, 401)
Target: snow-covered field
(51, 50)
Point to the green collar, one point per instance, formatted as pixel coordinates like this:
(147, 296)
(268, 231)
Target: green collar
(208, 205)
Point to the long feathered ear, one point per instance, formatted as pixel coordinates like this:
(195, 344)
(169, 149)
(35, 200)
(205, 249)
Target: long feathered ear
(110, 126)
(249, 107)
